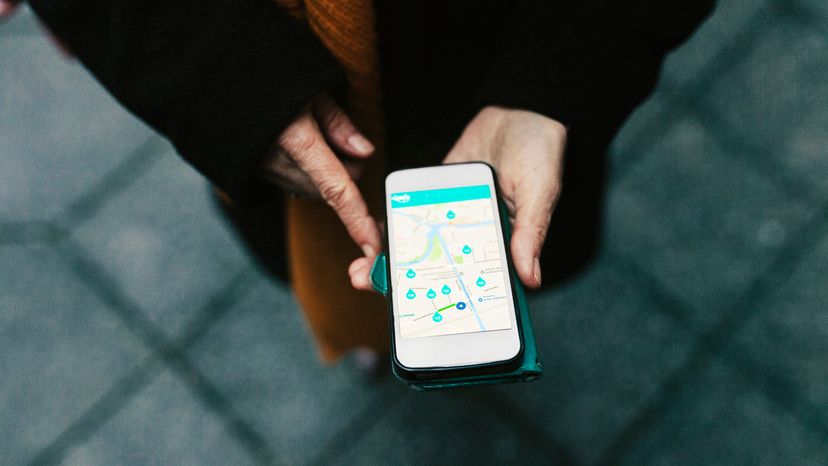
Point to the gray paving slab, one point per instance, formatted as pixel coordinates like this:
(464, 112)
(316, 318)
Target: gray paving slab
(164, 424)
(722, 31)
(767, 95)
(261, 357)
(818, 7)
(62, 349)
(804, 156)
(455, 427)
(605, 348)
(701, 224)
(60, 132)
(164, 243)
(721, 419)
(788, 334)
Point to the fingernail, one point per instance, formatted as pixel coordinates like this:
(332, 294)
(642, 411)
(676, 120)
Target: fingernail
(362, 145)
(369, 251)
(536, 272)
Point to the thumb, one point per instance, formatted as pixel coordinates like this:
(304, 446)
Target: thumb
(533, 212)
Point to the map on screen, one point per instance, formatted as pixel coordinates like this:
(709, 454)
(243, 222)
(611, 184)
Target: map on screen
(448, 274)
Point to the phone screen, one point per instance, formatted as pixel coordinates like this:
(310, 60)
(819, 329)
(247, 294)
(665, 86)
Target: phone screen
(449, 272)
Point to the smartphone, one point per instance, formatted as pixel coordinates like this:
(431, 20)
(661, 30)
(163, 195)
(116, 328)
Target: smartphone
(451, 283)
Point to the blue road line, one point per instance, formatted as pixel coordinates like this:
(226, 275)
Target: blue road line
(462, 285)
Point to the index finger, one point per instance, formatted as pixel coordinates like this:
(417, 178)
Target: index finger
(337, 188)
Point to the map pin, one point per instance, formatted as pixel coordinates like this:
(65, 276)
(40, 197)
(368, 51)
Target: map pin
(431, 294)
(450, 214)
(480, 282)
(437, 317)
(445, 289)
(461, 305)
(466, 249)
(411, 273)
(411, 294)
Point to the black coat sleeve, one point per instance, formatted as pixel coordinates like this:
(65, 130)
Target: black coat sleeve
(219, 78)
(587, 63)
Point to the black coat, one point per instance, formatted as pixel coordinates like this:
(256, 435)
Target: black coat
(221, 78)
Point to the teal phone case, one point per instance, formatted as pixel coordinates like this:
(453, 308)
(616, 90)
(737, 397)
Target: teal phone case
(529, 369)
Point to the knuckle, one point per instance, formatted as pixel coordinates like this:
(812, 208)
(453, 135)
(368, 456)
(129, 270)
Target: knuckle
(335, 194)
(336, 121)
(298, 140)
(536, 232)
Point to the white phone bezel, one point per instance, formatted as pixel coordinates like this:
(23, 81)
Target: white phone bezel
(459, 349)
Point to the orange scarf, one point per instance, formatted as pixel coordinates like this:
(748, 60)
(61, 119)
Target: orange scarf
(319, 248)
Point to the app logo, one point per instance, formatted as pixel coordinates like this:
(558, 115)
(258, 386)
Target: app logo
(401, 198)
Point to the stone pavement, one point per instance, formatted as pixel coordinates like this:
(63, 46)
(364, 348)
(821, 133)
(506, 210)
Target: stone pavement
(134, 329)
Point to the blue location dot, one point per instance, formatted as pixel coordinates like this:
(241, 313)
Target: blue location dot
(466, 249)
(450, 214)
(431, 294)
(461, 305)
(411, 273)
(436, 317)
(480, 282)
(411, 294)
(445, 289)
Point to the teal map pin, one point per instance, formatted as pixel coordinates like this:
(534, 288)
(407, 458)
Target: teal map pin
(411, 273)
(411, 294)
(480, 282)
(431, 294)
(445, 289)
(466, 249)
(450, 214)
(437, 317)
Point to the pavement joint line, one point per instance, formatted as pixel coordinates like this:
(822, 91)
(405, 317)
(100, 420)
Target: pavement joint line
(359, 426)
(529, 428)
(110, 292)
(763, 162)
(780, 391)
(217, 306)
(667, 304)
(166, 349)
(29, 232)
(124, 390)
(674, 105)
(214, 400)
(137, 163)
(105, 408)
(710, 343)
(804, 13)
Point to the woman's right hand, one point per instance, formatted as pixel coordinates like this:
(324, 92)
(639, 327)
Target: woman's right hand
(303, 161)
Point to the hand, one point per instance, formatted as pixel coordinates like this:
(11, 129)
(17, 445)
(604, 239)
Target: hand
(527, 151)
(303, 161)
